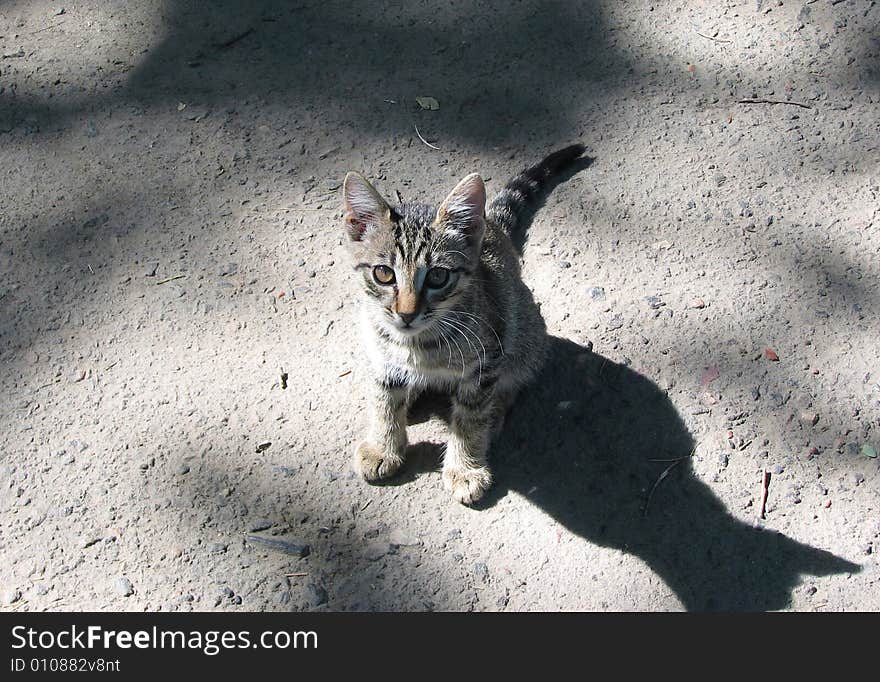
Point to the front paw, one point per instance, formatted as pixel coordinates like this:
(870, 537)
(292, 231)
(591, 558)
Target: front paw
(373, 463)
(467, 485)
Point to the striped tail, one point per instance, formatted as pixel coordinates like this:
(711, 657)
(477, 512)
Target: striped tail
(523, 191)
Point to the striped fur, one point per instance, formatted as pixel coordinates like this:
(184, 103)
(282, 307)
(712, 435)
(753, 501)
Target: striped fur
(477, 334)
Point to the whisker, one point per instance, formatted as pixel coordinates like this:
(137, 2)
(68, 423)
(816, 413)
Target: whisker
(480, 319)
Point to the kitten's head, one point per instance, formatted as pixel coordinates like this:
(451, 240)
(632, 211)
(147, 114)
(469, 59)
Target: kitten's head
(414, 261)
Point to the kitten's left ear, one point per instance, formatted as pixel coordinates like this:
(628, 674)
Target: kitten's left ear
(464, 210)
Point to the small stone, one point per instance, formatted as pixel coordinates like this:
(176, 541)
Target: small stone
(217, 547)
(756, 392)
(227, 592)
(261, 447)
(77, 375)
(723, 460)
(316, 595)
(810, 590)
(123, 587)
(236, 600)
(150, 270)
(454, 534)
(810, 418)
(563, 264)
(771, 355)
(697, 303)
(183, 469)
(596, 293)
(778, 469)
(292, 547)
(654, 302)
(11, 596)
(868, 450)
(481, 571)
(852, 449)
(228, 269)
(260, 524)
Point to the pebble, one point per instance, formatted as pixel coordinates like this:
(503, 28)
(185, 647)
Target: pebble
(697, 303)
(151, 269)
(596, 293)
(123, 587)
(756, 392)
(777, 469)
(217, 547)
(654, 302)
(771, 355)
(315, 595)
(481, 571)
(260, 524)
(563, 264)
(292, 547)
(11, 596)
(810, 418)
(228, 269)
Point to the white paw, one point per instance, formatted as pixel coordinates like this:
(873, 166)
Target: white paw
(467, 485)
(374, 464)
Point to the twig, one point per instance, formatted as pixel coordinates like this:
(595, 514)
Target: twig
(108, 367)
(234, 39)
(717, 40)
(170, 279)
(659, 481)
(765, 487)
(774, 101)
(295, 575)
(46, 28)
(345, 373)
(367, 504)
(423, 139)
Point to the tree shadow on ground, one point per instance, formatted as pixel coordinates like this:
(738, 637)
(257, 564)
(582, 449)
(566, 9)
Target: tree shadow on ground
(583, 445)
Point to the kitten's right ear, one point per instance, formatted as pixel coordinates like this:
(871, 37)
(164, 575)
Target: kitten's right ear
(364, 206)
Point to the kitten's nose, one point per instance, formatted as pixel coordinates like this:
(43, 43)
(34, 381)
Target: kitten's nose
(407, 317)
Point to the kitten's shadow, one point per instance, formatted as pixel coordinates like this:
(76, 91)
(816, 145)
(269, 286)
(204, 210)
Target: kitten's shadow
(579, 444)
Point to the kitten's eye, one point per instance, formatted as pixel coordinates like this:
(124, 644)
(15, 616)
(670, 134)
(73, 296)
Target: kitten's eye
(383, 274)
(437, 277)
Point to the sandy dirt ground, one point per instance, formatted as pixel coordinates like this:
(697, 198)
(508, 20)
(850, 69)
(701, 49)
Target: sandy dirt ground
(171, 247)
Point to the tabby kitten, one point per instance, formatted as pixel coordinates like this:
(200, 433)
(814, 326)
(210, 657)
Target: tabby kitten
(443, 307)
